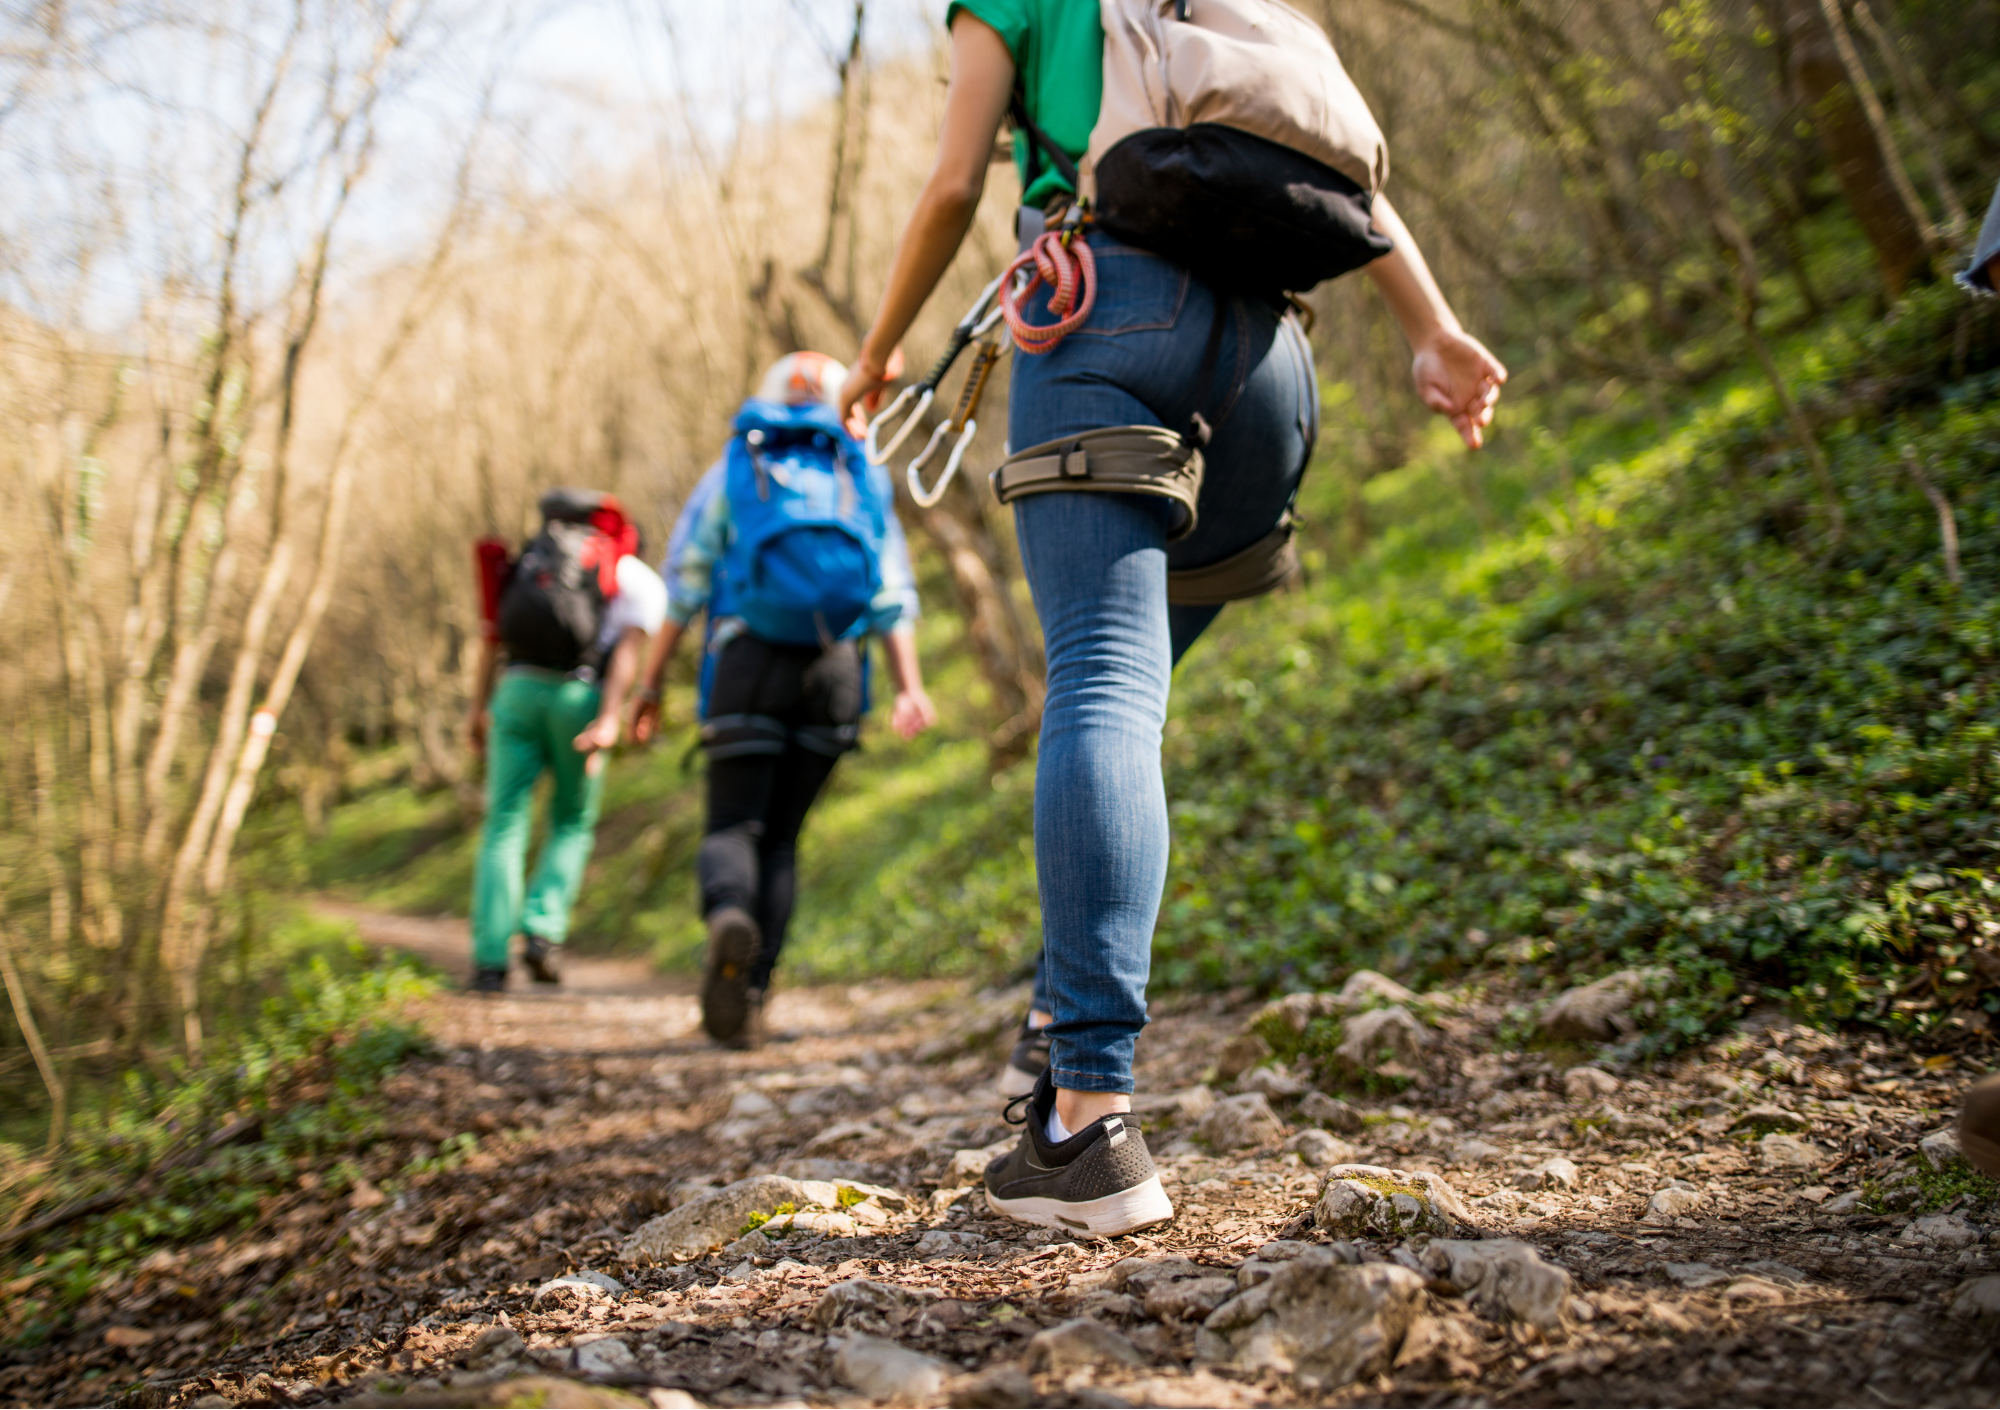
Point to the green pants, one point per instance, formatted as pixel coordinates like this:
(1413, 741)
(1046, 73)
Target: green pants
(537, 716)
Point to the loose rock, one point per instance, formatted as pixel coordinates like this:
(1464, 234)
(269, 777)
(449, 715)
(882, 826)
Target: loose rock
(1316, 1148)
(882, 1370)
(1390, 1034)
(1942, 1231)
(945, 1243)
(1766, 1117)
(1940, 1148)
(1556, 1173)
(604, 1356)
(1365, 984)
(1694, 1275)
(1294, 1012)
(1753, 1289)
(1593, 1012)
(1238, 1123)
(1186, 1298)
(1240, 1054)
(1670, 1204)
(1323, 1321)
(1360, 1200)
(1330, 1112)
(1978, 1299)
(1080, 1342)
(994, 1388)
(708, 1222)
(857, 1300)
(1505, 1279)
(1585, 1084)
(586, 1285)
(1276, 1082)
(1782, 1152)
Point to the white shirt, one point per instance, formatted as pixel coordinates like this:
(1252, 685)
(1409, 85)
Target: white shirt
(641, 603)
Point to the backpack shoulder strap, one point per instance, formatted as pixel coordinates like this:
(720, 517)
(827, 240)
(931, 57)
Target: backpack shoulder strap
(1040, 145)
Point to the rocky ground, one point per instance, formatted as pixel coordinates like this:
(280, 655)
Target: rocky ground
(562, 1215)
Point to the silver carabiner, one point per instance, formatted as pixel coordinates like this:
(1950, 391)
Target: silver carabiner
(879, 454)
(927, 498)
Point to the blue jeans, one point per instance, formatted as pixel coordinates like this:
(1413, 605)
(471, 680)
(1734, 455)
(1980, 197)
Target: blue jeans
(1097, 564)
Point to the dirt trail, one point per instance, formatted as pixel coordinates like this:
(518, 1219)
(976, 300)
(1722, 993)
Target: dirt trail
(598, 1106)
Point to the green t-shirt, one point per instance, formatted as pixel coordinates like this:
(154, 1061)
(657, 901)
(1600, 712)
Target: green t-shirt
(1058, 49)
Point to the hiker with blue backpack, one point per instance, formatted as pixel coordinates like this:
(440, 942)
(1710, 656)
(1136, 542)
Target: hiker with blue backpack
(1186, 169)
(790, 543)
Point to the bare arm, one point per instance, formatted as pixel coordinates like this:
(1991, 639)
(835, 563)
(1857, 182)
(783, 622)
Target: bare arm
(646, 719)
(602, 732)
(477, 720)
(913, 712)
(982, 77)
(1456, 376)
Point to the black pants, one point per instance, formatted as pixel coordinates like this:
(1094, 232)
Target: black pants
(779, 718)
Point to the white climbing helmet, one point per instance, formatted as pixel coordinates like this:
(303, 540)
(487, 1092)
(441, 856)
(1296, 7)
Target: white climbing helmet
(800, 378)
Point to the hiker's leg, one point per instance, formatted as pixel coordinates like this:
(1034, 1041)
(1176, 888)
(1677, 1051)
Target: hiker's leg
(756, 685)
(515, 757)
(1098, 568)
(822, 724)
(579, 785)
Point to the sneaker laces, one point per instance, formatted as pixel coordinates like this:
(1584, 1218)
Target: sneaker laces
(1007, 1114)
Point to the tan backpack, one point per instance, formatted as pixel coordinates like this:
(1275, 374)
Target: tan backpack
(1232, 141)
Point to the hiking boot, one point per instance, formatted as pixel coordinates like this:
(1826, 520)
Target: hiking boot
(733, 942)
(752, 1033)
(1979, 1125)
(1100, 1182)
(542, 960)
(1028, 1061)
(487, 979)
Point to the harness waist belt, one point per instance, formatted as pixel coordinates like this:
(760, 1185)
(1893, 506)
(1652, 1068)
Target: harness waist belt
(1118, 460)
(1265, 566)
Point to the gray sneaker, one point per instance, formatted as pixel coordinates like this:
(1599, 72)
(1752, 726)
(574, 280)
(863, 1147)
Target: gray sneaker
(1100, 1182)
(733, 941)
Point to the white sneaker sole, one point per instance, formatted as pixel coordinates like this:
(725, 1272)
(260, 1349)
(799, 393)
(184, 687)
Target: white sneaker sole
(1016, 1083)
(1140, 1207)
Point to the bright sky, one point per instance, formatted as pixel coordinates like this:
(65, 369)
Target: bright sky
(117, 160)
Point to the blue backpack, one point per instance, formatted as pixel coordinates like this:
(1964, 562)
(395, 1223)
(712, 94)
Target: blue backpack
(805, 563)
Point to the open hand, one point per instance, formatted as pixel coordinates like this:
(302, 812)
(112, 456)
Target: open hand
(861, 393)
(645, 721)
(601, 733)
(1457, 378)
(912, 713)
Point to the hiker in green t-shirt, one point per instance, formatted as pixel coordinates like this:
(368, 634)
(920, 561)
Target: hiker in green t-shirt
(1158, 361)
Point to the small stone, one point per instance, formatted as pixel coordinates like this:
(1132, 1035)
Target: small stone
(994, 1388)
(1330, 1112)
(709, 1222)
(1080, 1342)
(882, 1370)
(1556, 1173)
(1753, 1289)
(493, 1346)
(1188, 1298)
(1390, 1034)
(1942, 1231)
(750, 1104)
(968, 1167)
(1978, 1299)
(1670, 1204)
(1473, 1151)
(1283, 1250)
(1846, 1202)
(1316, 1148)
(1594, 1012)
(755, 1244)
(1361, 1200)
(1295, 1012)
(1239, 1123)
(1784, 1152)
(945, 1243)
(1365, 984)
(1504, 1279)
(1783, 1274)
(587, 1283)
(1694, 1275)
(1275, 1082)
(1318, 1320)
(1240, 1054)
(1586, 1084)
(856, 1300)
(1766, 1117)
(1940, 1149)
(603, 1356)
